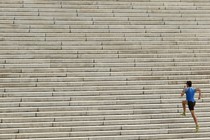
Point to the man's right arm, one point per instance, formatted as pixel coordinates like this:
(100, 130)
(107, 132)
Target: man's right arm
(182, 94)
(183, 91)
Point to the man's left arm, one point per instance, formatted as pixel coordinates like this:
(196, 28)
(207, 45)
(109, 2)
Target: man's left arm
(199, 91)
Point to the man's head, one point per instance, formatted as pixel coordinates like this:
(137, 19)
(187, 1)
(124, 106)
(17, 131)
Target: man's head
(189, 83)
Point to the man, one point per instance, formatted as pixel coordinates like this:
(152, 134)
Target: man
(190, 94)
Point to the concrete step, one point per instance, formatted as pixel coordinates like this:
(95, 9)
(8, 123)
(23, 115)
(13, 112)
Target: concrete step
(130, 103)
(113, 69)
(101, 88)
(94, 97)
(130, 79)
(57, 46)
(122, 60)
(94, 93)
(139, 51)
(38, 135)
(180, 136)
(102, 118)
(127, 132)
(100, 56)
(128, 124)
(123, 39)
(92, 83)
(103, 128)
(152, 72)
(196, 138)
(133, 137)
(42, 107)
(95, 112)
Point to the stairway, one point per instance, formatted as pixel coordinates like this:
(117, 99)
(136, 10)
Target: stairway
(103, 69)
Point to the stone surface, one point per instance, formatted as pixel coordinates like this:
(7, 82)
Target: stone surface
(102, 70)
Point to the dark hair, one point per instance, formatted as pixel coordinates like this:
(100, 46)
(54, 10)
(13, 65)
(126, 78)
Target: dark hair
(189, 83)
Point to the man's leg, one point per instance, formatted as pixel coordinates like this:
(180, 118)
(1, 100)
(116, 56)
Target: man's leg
(191, 107)
(184, 107)
(195, 119)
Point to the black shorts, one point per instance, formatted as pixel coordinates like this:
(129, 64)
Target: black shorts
(191, 105)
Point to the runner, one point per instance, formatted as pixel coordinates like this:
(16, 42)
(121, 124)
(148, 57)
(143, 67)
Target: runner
(190, 94)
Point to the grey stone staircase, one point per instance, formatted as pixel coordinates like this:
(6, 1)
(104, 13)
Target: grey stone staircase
(103, 69)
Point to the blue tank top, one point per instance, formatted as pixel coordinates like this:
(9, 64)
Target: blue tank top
(190, 94)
